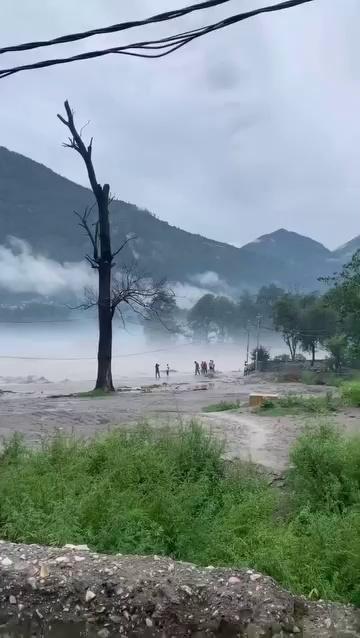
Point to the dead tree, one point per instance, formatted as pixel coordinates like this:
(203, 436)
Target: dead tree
(102, 255)
(137, 292)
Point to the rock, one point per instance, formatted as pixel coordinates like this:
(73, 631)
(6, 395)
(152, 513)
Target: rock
(117, 620)
(89, 596)
(234, 580)
(6, 562)
(12, 600)
(104, 633)
(62, 559)
(32, 582)
(44, 571)
(187, 590)
(255, 577)
(79, 559)
(79, 548)
(149, 623)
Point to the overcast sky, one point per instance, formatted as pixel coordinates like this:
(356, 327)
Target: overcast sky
(251, 129)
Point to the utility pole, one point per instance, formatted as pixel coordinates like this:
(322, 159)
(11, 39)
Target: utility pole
(248, 342)
(258, 320)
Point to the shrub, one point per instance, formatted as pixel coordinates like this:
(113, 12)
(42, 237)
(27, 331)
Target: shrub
(326, 469)
(297, 404)
(223, 406)
(263, 354)
(351, 393)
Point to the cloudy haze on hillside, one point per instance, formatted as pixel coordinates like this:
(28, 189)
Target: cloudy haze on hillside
(242, 132)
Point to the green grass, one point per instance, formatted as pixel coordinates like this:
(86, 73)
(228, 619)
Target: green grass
(334, 379)
(294, 404)
(309, 377)
(152, 491)
(350, 392)
(223, 406)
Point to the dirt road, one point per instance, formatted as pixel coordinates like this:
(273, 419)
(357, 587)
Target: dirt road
(38, 411)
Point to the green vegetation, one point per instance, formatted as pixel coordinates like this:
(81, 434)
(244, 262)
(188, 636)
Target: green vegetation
(223, 406)
(310, 377)
(304, 321)
(351, 393)
(293, 404)
(165, 492)
(226, 318)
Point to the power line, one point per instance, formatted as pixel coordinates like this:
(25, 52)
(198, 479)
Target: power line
(120, 356)
(151, 48)
(114, 28)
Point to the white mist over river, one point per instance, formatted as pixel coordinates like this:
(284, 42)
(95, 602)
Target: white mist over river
(68, 351)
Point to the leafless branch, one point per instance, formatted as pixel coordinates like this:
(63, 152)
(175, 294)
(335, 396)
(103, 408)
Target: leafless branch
(93, 236)
(76, 142)
(136, 291)
(90, 300)
(127, 240)
(83, 127)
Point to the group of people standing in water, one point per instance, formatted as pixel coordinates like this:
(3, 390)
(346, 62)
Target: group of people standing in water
(204, 368)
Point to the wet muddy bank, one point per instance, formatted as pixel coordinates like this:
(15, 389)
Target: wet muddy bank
(72, 592)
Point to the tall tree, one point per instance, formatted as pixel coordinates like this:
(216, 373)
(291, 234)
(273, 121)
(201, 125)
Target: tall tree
(265, 300)
(287, 320)
(201, 317)
(103, 256)
(317, 324)
(128, 287)
(344, 298)
(162, 324)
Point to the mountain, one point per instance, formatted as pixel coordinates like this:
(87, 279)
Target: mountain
(37, 205)
(346, 251)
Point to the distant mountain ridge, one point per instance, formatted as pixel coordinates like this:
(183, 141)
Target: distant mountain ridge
(37, 205)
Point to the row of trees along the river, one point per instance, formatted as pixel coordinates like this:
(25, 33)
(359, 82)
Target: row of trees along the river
(306, 322)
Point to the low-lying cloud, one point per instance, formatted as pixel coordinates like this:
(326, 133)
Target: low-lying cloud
(188, 293)
(24, 271)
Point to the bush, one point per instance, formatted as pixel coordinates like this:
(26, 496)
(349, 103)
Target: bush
(297, 404)
(262, 353)
(351, 393)
(223, 406)
(310, 377)
(170, 492)
(326, 470)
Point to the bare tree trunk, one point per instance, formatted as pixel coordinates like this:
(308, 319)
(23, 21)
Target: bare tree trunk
(102, 259)
(313, 354)
(105, 312)
(104, 375)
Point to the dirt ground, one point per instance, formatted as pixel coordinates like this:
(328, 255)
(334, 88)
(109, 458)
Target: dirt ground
(39, 410)
(52, 592)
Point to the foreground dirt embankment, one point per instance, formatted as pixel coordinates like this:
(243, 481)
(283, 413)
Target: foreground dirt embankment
(137, 596)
